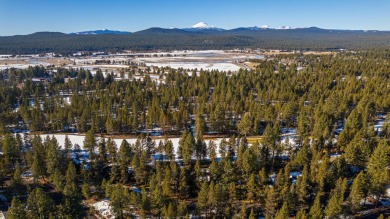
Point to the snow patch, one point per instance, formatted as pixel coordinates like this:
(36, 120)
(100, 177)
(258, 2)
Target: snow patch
(104, 208)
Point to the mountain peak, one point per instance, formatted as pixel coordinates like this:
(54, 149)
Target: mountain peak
(203, 25)
(285, 28)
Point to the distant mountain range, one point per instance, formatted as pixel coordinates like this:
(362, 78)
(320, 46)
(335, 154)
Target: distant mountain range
(104, 31)
(197, 37)
(199, 27)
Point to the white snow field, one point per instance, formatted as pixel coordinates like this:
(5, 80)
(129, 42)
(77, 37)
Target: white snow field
(205, 59)
(197, 65)
(289, 141)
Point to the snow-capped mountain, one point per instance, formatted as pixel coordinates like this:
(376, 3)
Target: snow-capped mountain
(202, 26)
(97, 32)
(264, 26)
(284, 28)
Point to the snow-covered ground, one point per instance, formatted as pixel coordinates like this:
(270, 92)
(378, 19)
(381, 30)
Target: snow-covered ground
(104, 209)
(197, 65)
(289, 141)
(206, 60)
(79, 139)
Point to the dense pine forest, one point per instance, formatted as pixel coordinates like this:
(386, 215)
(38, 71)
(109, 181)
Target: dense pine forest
(338, 167)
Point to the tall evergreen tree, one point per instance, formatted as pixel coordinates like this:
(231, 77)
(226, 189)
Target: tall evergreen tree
(358, 191)
(39, 205)
(17, 209)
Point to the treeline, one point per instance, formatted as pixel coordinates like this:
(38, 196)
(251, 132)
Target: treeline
(174, 39)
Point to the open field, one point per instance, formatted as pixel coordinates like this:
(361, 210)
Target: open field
(206, 60)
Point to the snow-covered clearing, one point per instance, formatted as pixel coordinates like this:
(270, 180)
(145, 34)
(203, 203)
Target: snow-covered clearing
(197, 65)
(79, 139)
(288, 141)
(104, 209)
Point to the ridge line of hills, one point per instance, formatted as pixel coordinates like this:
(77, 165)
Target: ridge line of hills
(210, 29)
(155, 38)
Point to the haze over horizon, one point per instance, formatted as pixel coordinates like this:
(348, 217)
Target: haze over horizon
(26, 16)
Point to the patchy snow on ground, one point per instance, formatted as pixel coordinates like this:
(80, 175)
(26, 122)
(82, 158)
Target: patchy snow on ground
(104, 209)
(288, 131)
(388, 191)
(378, 126)
(79, 140)
(295, 174)
(76, 139)
(197, 65)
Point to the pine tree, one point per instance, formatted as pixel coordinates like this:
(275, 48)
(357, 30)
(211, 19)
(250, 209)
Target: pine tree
(67, 146)
(71, 201)
(170, 211)
(90, 143)
(245, 124)
(232, 193)
(166, 187)
(243, 211)
(252, 214)
(202, 202)
(112, 150)
(157, 200)
(315, 210)
(124, 158)
(38, 167)
(283, 213)
(322, 172)
(16, 181)
(58, 180)
(85, 190)
(120, 198)
(301, 187)
(17, 210)
(301, 214)
(249, 162)
(378, 168)
(145, 204)
(358, 191)
(271, 203)
(9, 149)
(115, 174)
(212, 199)
(200, 126)
(251, 188)
(270, 140)
(53, 157)
(103, 151)
(182, 209)
(39, 205)
(333, 209)
(183, 183)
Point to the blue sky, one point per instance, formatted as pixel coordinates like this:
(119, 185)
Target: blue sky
(29, 16)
